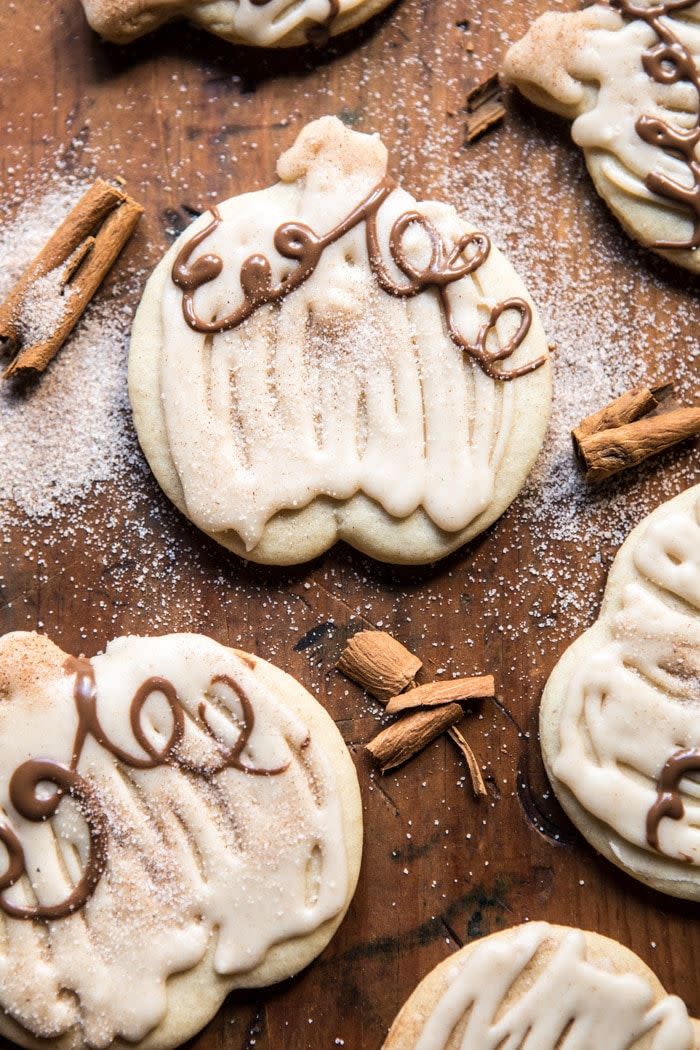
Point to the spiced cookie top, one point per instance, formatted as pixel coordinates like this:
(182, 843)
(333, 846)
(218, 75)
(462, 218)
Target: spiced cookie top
(329, 359)
(620, 723)
(542, 987)
(263, 23)
(178, 819)
(628, 74)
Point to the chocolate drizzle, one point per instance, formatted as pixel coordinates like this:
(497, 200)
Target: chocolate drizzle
(669, 802)
(24, 787)
(298, 242)
(670, 62)
(26, 779)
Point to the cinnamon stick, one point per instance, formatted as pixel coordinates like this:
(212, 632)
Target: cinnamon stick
(435, 693)
(63, 278)
(625, 409)
(478, 785)
(608, 452)
(405, 738)
(484, 107)
(380, 664)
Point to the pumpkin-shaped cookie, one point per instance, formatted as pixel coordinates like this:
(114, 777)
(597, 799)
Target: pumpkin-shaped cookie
(628, 74)
(620, 716)
(178, 819)
(328, 359)
(543, 987)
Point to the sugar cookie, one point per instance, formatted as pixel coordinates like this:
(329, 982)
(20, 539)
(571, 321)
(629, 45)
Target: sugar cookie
(328, 359)
(264, 23)
(543, 987)
(178, 819)
(628, 75)
(620, 716)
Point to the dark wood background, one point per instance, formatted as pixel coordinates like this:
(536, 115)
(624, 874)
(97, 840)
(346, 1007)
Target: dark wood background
(185, 118)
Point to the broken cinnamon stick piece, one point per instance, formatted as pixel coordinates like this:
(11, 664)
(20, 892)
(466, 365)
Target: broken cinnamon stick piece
(478, 785)
(436, 693)
(406, 737)
(610, 451)
(46, 303)
(625, 409)
(380, 664)
(484, 107)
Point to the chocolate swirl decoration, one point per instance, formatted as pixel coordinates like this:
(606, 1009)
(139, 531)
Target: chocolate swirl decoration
(298, 242)
(231, 757)
(670, 62)
(26, 779)
(669, 802)
(24, 785)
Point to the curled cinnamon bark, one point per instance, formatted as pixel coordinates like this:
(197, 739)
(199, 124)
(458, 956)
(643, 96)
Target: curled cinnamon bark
(387, 670)
(625, 409)
(405, 738)
(436, 693)
(630, 430)
(48, 300)
(478, 785)
(484, 107)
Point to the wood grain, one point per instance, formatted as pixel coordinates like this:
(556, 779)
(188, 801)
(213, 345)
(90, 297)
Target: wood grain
(185, 119)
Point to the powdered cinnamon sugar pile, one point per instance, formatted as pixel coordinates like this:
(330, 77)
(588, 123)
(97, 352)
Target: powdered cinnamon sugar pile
(67, 430)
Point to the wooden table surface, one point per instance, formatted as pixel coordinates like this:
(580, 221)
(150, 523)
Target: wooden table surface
(184, 118)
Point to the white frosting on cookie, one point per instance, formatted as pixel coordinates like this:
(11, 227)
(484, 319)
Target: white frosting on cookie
(229, 863)
(339, 387)
(635, 701)
(567, 998)
(264, 23)
(590, 65)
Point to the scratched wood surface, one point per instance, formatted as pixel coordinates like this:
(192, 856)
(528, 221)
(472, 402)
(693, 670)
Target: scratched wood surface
(180, 115)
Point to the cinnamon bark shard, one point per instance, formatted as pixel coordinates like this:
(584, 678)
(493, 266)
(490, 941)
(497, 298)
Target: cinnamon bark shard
(478, 785)
(48, 300)
(380, 664)
(435, 693)
(630, 430)
(484, 107)
(405, 738)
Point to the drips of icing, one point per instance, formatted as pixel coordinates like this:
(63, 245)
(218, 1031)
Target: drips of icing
(594, 1006)
(631, 709)
(263, 27)
(343, 387)
(261, 22)
(643, 112)
(188, 861)
(320, 29)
